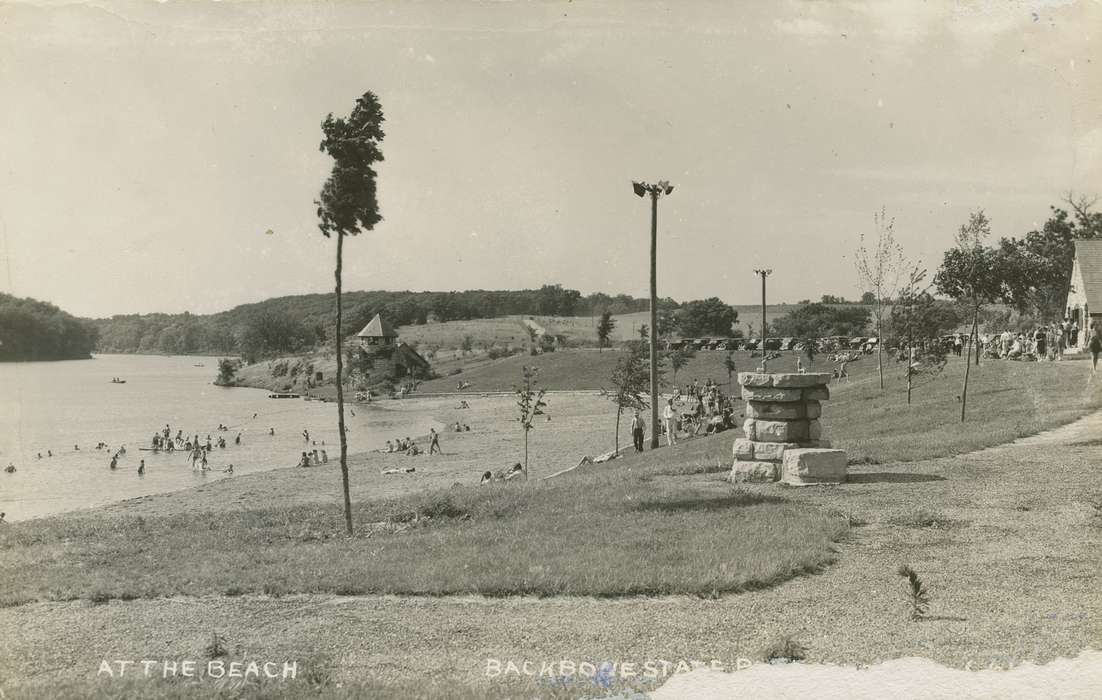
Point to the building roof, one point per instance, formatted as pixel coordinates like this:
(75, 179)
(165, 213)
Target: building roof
(1089, 256)
(377, 328)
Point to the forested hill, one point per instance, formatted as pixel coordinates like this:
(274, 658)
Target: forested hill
(36, 330)
(288, 324)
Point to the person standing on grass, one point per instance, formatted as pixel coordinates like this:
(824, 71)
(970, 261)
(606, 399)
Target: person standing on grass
(1095, 347)
(434, 441)
(671, 423)
(638, 428)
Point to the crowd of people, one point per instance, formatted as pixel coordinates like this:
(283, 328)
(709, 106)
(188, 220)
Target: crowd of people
(1044, 342)
(409, 447)
(694, 409)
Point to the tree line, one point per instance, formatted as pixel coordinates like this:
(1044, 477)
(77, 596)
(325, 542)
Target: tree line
(32, 330)
(288, 324)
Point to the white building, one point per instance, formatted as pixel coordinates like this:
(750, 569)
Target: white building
(1085, 294)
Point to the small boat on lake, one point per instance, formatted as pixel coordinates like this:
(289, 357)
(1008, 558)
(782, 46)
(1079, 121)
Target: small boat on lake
(116, 380)
(283, 396)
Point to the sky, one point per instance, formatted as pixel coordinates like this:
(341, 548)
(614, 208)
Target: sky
(164, 156)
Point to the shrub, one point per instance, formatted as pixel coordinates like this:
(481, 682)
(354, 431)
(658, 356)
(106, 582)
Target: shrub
(216, 648)
(784, 650)
(917, 595)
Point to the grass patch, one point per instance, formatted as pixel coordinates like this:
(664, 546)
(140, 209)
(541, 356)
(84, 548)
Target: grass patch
(599, 534)
(877, 427)
(923, 518)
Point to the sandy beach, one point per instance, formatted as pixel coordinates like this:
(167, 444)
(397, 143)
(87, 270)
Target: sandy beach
(581, 423)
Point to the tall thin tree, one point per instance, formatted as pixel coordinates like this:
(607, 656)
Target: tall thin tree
(879, 271)
(970, 273)
(348, 205)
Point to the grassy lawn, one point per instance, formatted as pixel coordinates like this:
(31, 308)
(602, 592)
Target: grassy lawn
(631, 527)
(610, 533)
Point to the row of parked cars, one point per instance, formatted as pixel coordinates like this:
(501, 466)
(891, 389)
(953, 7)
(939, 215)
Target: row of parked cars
(727, 344)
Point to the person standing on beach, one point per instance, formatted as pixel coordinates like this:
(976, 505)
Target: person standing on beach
(306, 435)
(434, 441)
(671, 423)
(638, 430)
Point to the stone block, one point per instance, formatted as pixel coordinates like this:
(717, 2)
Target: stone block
(755, 379)
(753, 471)
(818, 393)
(769, 410)
(773, 451)
(802, 467)
(763, 393)
(743, 449)
(801, 381)
(776, 430)
(814, 430)
(814, 409)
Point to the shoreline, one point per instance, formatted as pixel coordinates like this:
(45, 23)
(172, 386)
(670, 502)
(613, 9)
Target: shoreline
(491, 444)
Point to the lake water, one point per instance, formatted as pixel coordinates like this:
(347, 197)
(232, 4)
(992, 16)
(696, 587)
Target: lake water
(57, 406)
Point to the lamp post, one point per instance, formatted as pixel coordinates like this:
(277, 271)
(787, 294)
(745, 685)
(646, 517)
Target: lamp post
(655, 191)
(763, 273)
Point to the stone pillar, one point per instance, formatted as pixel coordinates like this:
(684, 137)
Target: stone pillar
(783, 438)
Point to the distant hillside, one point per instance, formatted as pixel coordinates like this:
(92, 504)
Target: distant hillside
(32, 330)
(307, 319)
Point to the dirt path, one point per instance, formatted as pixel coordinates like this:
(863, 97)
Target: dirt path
(1005, 539)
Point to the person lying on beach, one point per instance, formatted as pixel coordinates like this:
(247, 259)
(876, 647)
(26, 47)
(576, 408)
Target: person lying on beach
(10, 469)
(402, 470)
(514, 472)
(228, 470)
(487, 477)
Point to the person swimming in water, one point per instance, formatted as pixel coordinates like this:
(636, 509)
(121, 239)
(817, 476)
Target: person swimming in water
(141, 468)
(237, 440)
(271, 431)
(114, 461)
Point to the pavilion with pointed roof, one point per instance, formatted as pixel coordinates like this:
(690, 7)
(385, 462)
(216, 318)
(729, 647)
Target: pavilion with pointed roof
(388, 357)
(377, 332)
